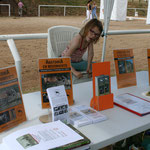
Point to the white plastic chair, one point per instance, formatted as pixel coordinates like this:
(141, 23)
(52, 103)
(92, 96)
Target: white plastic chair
(58, 39)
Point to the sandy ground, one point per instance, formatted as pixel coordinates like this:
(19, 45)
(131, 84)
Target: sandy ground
(31, 50)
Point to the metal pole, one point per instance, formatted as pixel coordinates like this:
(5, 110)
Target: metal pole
(64, 11)
(104, 47)
(39, 11)
(9, 9)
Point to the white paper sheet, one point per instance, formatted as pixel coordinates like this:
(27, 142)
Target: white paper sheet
(41, 137)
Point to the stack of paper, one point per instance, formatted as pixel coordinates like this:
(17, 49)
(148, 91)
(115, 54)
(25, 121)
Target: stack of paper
(84, 115)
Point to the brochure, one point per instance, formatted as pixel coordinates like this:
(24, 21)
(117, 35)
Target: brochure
(59, 103)
(83, 115)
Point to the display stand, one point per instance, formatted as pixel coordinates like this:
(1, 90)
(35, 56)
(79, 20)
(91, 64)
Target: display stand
(46, 118)
(125, 68)
(104, 101)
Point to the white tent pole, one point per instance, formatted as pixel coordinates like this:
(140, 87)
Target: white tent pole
(104, 48)
(148, 13)
(108, 6)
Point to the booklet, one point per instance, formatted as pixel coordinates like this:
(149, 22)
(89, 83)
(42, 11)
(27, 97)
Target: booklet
(12, 110)
(55, 72)
(54, 135)
(102, 85)
(83, 115)
(59, 103)
(133, 103)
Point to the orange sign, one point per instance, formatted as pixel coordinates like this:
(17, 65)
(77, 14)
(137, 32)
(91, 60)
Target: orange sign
(55, 72)
(125, 68)
(12, 110)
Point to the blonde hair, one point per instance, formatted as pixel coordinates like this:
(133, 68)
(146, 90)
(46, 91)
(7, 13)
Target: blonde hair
(89, 25)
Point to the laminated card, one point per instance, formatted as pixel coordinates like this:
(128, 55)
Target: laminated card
(12, 110)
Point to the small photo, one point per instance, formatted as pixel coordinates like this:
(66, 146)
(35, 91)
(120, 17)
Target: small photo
(88, 111)
(73, 115)
(129, 66)
(121, 67)
(27, 141)
(56, 79)
(101, 90)
(9, 97)
(45, 98)
(4, 117)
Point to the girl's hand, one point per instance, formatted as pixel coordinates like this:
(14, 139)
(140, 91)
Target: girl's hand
(89, 73)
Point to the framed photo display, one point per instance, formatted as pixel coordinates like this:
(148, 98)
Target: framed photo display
(125, 68)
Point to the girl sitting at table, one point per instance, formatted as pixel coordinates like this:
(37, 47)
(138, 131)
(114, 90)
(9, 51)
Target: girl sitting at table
(82, 42)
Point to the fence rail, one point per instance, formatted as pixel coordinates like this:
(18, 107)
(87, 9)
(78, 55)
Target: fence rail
(9, 13)
(64, 6)
(67, 6)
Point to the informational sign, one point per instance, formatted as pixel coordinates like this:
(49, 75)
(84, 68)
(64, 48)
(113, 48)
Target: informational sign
(12, 110)
(55, 72)
(125, 68)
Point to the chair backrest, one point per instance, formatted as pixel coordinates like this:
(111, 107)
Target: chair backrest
(58, 39)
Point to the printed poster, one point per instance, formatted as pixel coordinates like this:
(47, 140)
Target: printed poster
(12, 110)
(125, 68)
(55, 72)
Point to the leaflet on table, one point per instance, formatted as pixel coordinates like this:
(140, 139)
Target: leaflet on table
(91, 114)
(41, 137)
(59, 103)
(133, 103)
(77, 119)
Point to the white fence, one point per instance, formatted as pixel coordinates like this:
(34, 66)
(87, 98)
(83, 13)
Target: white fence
(64, 6)
(8, 8)
(67, 6)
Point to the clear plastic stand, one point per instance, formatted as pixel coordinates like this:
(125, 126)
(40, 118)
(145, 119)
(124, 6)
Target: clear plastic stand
(46, 118)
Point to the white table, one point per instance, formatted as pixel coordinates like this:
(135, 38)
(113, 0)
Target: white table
(120, 124)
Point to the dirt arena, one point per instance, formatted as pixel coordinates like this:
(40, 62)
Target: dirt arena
(31, 50)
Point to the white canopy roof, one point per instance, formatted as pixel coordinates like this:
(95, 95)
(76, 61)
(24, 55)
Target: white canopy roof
(148, 13)
(119, 10)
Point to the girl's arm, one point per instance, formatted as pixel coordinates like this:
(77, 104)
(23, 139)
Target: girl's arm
(90, 58)
(72, 47)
